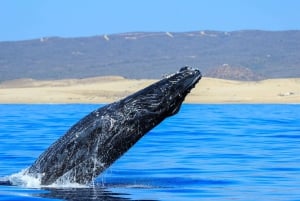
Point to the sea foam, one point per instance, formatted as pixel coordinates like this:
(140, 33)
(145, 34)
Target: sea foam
(29, 181)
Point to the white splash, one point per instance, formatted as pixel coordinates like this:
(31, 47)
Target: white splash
(28, 181)
(25, 180)
(66, 184)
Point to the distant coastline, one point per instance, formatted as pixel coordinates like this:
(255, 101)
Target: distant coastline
(111, 88)
(248, 55)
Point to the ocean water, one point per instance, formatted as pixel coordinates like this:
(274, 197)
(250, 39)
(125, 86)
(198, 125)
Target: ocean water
(205, 152)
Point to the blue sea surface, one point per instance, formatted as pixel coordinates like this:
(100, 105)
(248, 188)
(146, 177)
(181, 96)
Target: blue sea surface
(205, 152)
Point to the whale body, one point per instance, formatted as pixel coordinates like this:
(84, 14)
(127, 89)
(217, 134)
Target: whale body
(100, 138)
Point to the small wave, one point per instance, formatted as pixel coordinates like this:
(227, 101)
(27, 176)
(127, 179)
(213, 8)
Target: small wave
(127, 185)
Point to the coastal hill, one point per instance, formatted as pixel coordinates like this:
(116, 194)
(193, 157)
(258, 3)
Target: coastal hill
(238, 55)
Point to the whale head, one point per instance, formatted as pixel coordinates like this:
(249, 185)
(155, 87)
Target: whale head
(178, 86)
(166, 96)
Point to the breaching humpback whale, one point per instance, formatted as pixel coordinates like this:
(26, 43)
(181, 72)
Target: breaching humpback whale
(101, 137)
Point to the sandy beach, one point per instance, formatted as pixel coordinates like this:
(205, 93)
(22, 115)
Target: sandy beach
(112, 88)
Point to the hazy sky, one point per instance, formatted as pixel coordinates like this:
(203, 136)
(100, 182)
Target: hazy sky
(26, 19)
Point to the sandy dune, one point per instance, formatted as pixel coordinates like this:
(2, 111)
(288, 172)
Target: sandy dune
(109, 89)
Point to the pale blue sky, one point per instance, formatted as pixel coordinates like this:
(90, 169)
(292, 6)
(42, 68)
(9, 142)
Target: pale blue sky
(27, 19)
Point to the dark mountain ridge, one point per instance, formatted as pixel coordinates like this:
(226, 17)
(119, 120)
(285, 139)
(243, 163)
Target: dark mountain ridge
(249, 55)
